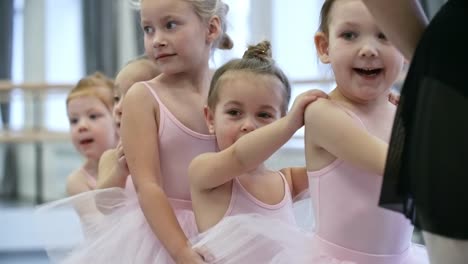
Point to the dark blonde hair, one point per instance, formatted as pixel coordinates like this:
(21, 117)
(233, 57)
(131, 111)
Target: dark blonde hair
(257, 59)
(325, 16)
(97, 85)
(205, 10)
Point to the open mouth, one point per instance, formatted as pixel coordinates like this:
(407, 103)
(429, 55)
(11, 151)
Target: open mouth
(368, 72)
(86, 141)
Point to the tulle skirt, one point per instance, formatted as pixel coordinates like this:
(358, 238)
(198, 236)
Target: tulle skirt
(106, 226)
(425, 176)
(257, 239)
(303, 211)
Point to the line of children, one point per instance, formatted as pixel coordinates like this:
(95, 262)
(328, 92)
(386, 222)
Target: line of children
(162, 130)
(346, 146)
(345, 151)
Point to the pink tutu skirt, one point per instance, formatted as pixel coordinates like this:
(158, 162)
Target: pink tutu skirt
(330, 253)
(257, 239)
(105, 226)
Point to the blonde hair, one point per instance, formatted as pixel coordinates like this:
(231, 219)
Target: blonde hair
(205, 10)
(257, 59)
(97, 85)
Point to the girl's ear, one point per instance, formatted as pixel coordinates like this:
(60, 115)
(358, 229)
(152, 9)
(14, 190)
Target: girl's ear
(214, 29)
(209, 119)
(321, 45)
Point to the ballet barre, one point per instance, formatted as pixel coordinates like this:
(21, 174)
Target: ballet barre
(37, 135)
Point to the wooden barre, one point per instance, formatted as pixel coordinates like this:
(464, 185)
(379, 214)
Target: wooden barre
(7, 86)
(31, 136)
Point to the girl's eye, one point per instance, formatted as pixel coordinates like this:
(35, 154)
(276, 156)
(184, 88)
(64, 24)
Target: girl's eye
(349, 35)
(148, 30)
(170, 25)
(233, 112)
(73, 120)
(265, 115)
(94, 116)
(116, 99)
(382, 36)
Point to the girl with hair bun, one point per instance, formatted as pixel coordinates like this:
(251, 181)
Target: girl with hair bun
(232, 188)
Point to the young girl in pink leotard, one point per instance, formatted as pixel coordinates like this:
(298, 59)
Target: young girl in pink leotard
(346, 143)
(247, 107)
(89, 111)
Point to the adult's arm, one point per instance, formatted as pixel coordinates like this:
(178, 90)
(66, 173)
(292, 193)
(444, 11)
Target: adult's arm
(402, 21)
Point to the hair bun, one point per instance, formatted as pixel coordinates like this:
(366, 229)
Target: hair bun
(225, 42)
(261, 51)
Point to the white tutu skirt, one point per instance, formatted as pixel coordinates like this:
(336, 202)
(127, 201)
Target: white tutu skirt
(105, 226)
(257, 239)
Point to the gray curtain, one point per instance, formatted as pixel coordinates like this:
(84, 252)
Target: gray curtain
(9, 179)
(139, 33)
(100, 36)
(6, 52)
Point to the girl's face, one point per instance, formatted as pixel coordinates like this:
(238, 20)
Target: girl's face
(175, 37)
(91, 126)
(364, 62)
(246, 101)
(137, 71)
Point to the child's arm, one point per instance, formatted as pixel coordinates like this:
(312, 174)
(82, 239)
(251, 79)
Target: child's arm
(405, 31)
(139, 137)
(298, 181)
(333, 130)
(210, 170)
(77, 183)
(113, 169)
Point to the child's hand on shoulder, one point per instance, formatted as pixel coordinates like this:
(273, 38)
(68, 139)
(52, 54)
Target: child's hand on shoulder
(394, 98)
(300, 103)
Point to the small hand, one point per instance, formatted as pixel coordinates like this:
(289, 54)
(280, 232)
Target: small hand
(300, 103)
(189, 256)
(205, 253)
(121, 160)
(394, 98)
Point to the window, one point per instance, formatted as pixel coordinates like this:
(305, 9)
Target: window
(17, 115)
(293, 30)
(237, 29)
(63, 58)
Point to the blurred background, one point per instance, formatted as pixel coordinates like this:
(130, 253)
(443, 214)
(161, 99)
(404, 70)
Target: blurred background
(46, 46)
